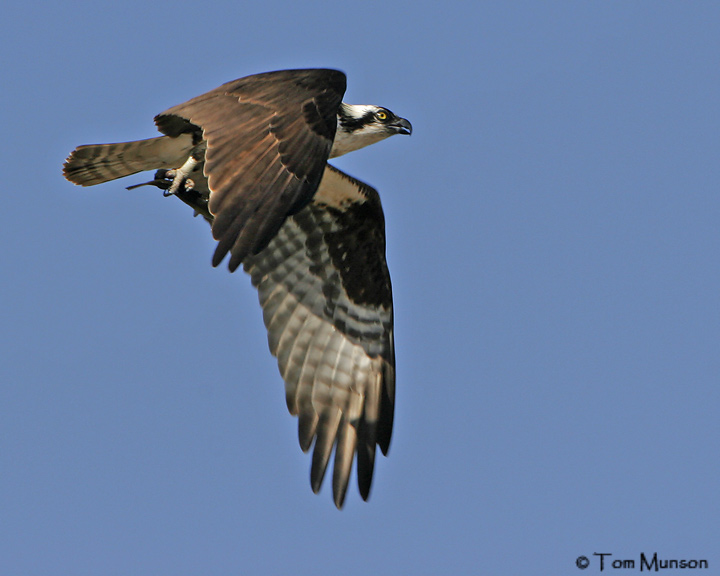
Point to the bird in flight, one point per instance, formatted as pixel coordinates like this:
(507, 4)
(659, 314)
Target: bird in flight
(251, 158)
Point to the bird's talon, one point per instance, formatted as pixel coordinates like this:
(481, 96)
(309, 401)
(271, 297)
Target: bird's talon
(179, 177)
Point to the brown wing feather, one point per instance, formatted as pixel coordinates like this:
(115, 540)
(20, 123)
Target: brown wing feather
(327, 304)
(268, 140)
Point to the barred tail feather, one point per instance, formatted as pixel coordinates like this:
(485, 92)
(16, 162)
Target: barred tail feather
(98, 163)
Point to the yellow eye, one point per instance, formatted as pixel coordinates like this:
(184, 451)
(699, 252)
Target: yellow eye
(381, 115)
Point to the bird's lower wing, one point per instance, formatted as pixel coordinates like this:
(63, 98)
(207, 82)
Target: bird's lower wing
(325, 290)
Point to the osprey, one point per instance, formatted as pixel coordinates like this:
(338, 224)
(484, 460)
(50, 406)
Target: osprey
(251, 158)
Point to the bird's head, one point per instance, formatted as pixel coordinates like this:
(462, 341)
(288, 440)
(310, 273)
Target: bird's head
(360, 125)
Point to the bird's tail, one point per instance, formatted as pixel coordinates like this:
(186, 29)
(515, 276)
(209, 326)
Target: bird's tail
(98, 163)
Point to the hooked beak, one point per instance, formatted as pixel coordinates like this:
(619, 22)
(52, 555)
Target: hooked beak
(402, 126)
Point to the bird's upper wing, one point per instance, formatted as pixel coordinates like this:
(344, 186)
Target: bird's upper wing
(326, 296)
(268, 140)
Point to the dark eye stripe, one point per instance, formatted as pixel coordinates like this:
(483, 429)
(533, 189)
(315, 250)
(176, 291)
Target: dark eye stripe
(356, 123)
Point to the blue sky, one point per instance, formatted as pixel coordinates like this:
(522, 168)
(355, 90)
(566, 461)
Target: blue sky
(553, 230)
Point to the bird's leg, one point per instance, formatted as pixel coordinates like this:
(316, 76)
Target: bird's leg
(180, 176)
(161, 180)
(176, 183)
